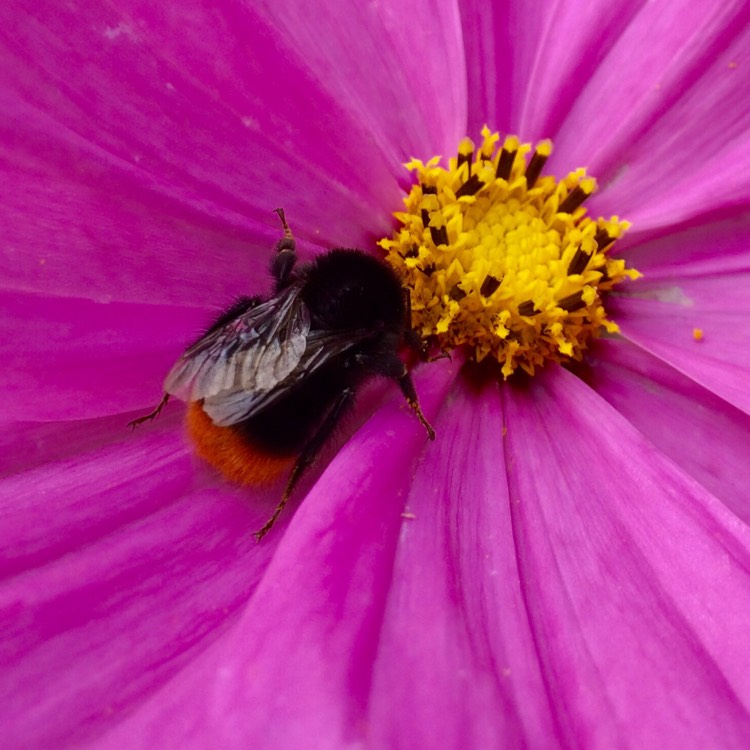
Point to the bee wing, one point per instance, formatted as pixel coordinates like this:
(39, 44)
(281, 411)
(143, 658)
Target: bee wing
(232, 406)
(251, 354)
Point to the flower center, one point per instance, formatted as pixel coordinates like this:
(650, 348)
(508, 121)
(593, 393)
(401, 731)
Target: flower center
(504, 261)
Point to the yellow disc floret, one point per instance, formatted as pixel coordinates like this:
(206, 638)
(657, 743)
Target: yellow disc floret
(503, 261)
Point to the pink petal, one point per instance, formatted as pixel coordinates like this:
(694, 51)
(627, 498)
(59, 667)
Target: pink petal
(719, 247)
(705, 436)
(457, 665)
(562, 55)
(661, 316)
(693, 279)
(398, 69)
(126, 573)
(489, 32)
(669, 85)
(77, 359)
(144, 152)
(635, 579)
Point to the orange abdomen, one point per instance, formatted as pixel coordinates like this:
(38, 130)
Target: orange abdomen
(230, 453)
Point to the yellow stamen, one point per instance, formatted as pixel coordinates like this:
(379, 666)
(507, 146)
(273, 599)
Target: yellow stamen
(502, 260)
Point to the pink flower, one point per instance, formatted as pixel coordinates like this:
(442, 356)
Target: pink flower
(576, 570)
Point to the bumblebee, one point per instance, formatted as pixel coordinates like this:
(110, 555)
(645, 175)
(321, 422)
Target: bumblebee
(270, 380)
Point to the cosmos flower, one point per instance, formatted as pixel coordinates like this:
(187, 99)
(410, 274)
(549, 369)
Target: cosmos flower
(567, 565)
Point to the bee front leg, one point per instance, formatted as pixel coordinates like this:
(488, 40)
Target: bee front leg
(285, 258)
(389, 365)
(410, 394)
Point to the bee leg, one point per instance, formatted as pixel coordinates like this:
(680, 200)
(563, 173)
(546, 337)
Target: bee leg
(389, 365)
(309, 454)
(283, 261)
(151, 415)
(410, 394)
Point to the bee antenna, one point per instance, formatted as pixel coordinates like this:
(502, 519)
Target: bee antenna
(287, 231)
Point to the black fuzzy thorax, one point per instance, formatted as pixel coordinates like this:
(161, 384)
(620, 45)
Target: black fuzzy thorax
(344, 291)
(350, 289)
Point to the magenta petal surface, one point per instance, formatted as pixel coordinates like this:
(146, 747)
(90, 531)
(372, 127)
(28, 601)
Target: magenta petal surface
(144, 148)
(396, 68)
(457, 664)
(635, 578)
(706, 436)
(81, 359)
(561, 55)
(663, 317)
(566, 566)
(670, 82)
(527, 62)
(696, 278)
(128, 571)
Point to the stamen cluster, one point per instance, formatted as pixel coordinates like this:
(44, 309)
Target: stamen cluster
(502, 260)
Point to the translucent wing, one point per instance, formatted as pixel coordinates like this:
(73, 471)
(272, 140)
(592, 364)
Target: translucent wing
(232, 406)
(252, 361)
(253, 353)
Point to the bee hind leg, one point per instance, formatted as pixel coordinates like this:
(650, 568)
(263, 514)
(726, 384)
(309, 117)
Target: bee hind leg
(309, 454)
(151, 415)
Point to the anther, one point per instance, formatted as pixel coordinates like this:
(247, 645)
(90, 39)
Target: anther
(576, 197)
(538, 160)
(505, 164)
(489, 286)
(456, 293)
(602, 238)
(572, 302)
(429, 269)
(527, 308)
(578, 262)
(427, 190)
(507, 157)
(439, 235)
(471, 187)
(465, 153)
